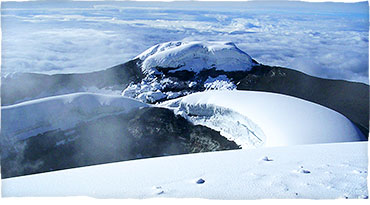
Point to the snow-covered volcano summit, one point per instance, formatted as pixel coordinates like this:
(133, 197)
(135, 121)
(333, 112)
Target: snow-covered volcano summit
(195, 56)
(177, 68)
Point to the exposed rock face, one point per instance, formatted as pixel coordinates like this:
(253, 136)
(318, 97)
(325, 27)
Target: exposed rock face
(142, 133)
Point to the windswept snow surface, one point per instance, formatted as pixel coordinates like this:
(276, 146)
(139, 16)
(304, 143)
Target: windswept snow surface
(59, 112)
(195, 56)
(253, 119)
(321, 171)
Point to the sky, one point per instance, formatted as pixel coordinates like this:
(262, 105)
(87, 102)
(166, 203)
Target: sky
(327, 40)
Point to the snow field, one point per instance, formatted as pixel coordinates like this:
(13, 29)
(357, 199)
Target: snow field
(320, 171)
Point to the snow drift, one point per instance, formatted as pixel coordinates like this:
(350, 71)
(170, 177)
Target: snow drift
(321, 171)
(254, 119)
(59, 112)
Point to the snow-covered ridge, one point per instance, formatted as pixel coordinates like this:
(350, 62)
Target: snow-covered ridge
(276, 119)
(59, 112)
(195, 56)
(321, 171)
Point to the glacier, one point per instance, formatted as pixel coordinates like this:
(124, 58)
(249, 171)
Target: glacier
(195, 56)
(255, 119)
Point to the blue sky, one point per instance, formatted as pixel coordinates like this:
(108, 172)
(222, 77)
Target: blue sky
(323, 39)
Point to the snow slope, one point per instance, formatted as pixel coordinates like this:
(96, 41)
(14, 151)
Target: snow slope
(59, 112)
(254, 119)
(320, 171)
(195, 56)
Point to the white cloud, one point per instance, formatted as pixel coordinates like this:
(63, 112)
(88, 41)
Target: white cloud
(326, 40)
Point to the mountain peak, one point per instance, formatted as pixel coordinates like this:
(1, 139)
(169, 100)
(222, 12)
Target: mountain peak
(195, 56)
(178, 68)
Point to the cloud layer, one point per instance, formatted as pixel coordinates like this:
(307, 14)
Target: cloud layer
(322, 39)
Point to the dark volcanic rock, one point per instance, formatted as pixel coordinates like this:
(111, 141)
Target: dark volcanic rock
(26, 86)
(200, 181)
(142, 133)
